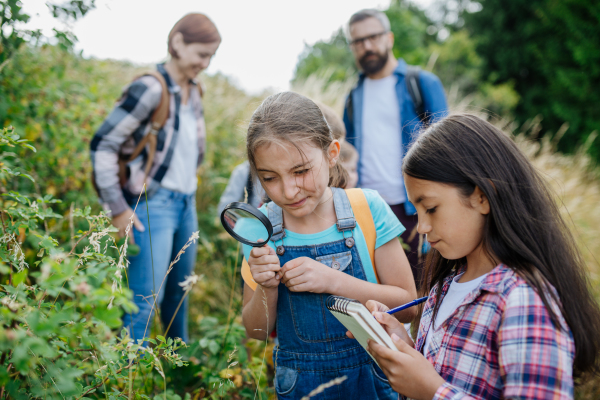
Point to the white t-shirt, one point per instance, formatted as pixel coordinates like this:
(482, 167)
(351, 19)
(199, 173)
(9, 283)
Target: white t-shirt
(181, 175)
(457, 292)
(381, 158)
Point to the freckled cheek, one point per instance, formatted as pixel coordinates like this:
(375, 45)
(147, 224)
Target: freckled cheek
(274, 190)
(308, 182)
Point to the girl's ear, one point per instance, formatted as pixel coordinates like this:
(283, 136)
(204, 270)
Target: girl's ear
(333, 153)
(479, 201)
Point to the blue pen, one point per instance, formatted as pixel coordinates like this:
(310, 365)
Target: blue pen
(407, 305)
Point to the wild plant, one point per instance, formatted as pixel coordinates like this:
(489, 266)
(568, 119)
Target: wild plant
(62, 308)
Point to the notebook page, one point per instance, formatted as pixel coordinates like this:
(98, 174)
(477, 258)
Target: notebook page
(354, 326)
(370, 325)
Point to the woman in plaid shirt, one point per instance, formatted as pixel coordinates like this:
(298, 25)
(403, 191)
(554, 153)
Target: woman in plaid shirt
(169, 184)
(510, 314)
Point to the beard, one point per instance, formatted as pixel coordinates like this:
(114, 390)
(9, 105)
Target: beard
(373, 65)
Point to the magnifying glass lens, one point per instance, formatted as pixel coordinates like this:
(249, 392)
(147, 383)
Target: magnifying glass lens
(245, 225)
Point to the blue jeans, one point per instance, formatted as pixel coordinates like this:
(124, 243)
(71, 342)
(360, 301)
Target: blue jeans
(172, 221)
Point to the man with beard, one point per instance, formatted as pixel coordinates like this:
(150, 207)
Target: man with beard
(388, 106)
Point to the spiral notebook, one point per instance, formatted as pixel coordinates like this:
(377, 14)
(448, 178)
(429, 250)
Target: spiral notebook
(357, 318)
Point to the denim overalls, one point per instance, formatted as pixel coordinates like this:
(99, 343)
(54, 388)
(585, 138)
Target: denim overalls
(313, 347)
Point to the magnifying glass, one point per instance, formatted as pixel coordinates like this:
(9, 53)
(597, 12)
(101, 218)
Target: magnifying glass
(247, 224)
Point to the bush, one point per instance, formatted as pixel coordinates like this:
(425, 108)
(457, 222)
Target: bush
(59, 317)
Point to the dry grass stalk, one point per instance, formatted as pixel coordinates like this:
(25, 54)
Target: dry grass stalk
(321, 388)
(187, 286)
(264, 301)
(191, 240)
(333, 94)
(577, 188)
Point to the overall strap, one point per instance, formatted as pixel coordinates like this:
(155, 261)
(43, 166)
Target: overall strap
(343, 210)
(276, 218)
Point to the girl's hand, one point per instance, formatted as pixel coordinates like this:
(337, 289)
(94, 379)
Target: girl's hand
(408, 371)
(389, 323)
(264, 266)
(304, 274)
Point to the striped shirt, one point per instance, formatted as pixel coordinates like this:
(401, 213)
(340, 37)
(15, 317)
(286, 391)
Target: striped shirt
(499, 343)
(126, 125)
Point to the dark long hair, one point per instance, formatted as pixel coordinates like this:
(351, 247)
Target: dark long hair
(524, 229)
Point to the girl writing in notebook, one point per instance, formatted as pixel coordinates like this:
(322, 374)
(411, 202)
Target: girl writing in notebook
(510, 314)
(317, 249)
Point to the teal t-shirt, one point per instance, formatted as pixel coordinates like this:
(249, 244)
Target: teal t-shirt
(387, 228)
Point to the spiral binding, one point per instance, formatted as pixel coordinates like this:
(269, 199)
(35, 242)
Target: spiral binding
(339, 304)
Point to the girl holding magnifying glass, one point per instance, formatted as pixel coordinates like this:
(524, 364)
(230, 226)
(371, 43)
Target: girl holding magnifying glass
(317, 249)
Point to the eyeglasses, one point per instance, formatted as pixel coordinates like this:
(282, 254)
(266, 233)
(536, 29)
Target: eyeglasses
(360, 42)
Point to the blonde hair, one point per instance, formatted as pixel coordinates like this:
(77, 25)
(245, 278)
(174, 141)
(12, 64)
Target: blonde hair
(338, 129)
(348, 152)
(289, 117)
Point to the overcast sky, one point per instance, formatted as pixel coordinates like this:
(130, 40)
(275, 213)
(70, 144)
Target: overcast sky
(262, 39)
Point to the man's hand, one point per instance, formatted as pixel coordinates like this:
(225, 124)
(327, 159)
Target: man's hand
(304, 274)
(264, 266)
(122, 220)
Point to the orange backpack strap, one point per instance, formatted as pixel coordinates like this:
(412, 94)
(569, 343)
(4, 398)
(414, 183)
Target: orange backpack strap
(247, 275)
(362, 214)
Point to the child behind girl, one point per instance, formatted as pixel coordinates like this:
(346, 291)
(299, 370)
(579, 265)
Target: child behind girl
(510, 314)
(349, 159)
(317, 249)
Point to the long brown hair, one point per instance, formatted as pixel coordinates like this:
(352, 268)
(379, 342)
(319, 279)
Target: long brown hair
(195, 28)
(524, 229)
(289, 117)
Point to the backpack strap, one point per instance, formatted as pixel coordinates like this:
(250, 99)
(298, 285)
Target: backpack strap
(413, 85)
(247, 275)
(157, 121)
(362, 213)
(349, 106)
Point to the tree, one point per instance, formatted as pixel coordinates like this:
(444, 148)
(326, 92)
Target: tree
(12, 16)
(550, 50)
(332, 56)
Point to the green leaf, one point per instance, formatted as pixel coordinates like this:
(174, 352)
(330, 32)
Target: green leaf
(28, 176)
(111, 317)
(214, 347)
(30, 147)
(48, 242)
(20, 277)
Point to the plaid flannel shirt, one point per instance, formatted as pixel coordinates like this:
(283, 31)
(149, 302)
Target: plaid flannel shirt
(125, 126)
(500, 343)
